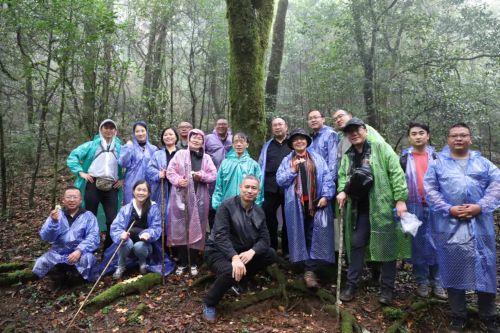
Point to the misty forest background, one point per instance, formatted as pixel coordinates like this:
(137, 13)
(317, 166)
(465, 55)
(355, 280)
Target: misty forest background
(65, 65)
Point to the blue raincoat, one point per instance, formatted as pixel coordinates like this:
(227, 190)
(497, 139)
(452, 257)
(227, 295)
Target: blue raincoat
(156, 163)
(465, 249)
(322, 245)
(135, 159)
(423, 249)
(230, 175)
(82, 235)
(325, 143)
(121, 224)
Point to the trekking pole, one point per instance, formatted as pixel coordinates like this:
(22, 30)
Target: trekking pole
(162, 231)
(99, 279)
(186, 218)
(339, 264)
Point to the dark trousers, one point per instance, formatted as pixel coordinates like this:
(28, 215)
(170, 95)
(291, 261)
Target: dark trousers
(109, 202)
(182, 253)
(485, 302)
(272, 201)
(359, 241)
(223, 269)
(211, 217)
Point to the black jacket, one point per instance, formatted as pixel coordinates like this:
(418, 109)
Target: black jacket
(236, 230)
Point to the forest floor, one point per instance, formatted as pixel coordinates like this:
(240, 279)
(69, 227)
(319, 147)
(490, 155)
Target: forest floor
(37, 306)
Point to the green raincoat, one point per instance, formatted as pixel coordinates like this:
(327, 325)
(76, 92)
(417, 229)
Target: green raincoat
(81, 158)
(387, 241)
(230, 175)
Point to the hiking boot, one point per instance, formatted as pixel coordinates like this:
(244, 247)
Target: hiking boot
(209, 313)
(439, 293)
(423, 290)
(491, 324)
(385, 297)
(142, 268)
(347, 294)
(310, 280)
(180, 270)
(193, 270)
(457, 325)
(119, 272)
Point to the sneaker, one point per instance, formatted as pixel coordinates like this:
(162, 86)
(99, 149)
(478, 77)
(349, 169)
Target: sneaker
(423, 290)
(209, 313)
(142, 268)
(385, 297)
(119, 272)
(457, 325)
(180, 270)
(193, 270)
(440, 293)
(347, 294)
(310, 280)
(240, 288)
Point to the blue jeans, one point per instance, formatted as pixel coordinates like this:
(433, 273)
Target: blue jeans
(142, 250)
(427, 274)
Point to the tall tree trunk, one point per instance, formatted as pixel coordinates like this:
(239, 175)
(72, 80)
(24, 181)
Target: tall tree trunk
(171, 75)
(3, 165)
(89, 80)
(106, 78)
(58, 135)
(28, 76)
(366, 58)
(273, 75)
(249, 27)
(41, 126)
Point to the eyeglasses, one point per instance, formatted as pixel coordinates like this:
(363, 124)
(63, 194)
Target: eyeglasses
(339, 116)
(72, 197)
(314, 117)
(461, 136)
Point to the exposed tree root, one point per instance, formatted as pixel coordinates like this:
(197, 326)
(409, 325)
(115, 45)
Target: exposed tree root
(205, 279)
(13, 266)
(134, 317)
(140, 285)
(402, 316)
(347, 320)
(253, 299)
(17, 276)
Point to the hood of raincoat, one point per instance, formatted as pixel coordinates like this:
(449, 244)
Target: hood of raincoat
(143, 124)
(232, 155)
(197, 131)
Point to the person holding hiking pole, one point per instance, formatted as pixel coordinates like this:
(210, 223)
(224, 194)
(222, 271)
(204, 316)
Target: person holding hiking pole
(190, 172)
(141, 243)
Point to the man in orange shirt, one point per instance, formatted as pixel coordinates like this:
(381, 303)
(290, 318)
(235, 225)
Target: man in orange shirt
(415, 161)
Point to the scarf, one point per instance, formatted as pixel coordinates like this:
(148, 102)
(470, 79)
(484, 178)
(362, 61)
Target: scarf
(310, 177)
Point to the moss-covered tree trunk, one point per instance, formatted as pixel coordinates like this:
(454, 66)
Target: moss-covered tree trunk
(249, 26)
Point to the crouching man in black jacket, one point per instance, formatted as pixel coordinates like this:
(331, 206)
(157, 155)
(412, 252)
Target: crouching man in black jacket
(239, 244)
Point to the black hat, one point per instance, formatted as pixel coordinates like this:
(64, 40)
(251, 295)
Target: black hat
(298, 132)
(353, 122)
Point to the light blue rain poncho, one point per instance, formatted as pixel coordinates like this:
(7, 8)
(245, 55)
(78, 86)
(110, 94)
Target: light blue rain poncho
(325, 143)
(423, 249)
(82, 235)
(135, 159)
(230, 175)
(322, 244)
(121, 224)
(158, 162)
(465, 249)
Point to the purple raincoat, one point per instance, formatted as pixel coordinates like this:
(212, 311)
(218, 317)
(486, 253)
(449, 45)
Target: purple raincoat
(216, 148)
(135, 158)
(198, 202)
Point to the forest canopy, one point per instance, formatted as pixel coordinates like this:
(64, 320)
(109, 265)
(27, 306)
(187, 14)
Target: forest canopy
(66, 65)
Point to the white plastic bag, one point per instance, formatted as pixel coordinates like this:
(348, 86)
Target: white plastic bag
(410, 223)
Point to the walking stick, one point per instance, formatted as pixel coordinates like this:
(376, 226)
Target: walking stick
(339, 264)
(99, 279)
(186, 218)
(162, 232)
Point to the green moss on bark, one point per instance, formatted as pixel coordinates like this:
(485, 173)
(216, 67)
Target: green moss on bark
(17, 276)
(140, 285)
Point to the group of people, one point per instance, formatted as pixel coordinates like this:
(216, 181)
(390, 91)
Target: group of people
(196, 182)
